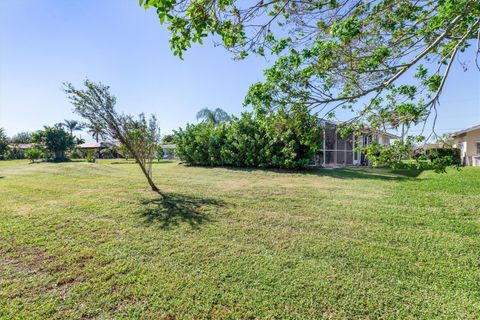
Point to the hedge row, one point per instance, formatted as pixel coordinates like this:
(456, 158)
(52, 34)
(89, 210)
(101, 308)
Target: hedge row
(280, 139)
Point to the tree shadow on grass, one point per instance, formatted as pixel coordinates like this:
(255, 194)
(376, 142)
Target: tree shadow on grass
(133, 162)
(173, 209)
(350, 173)
(367, 173)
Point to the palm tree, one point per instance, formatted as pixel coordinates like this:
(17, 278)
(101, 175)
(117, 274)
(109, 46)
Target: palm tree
(212, 116)
(73, 125)
(96, 132)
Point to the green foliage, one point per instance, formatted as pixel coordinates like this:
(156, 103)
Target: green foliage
(76, 154)
(22, 137)
(90, 155)
(123, 151)
(34, 154)
(139, 136)
(441, 158)
(401, 154)
(143, 136)
(55, 140)
(392, 154)
(281, 139)
(106, 153)
(13, 153)
(3, 142)
(337, 54)
(168, 139)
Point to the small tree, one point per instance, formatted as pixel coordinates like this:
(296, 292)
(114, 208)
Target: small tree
(3, 142)
(55, 140)
(97, 105)
(33, 154)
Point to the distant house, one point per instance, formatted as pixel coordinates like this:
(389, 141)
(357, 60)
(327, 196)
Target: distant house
(94, 146)
(468, 141)
(97, 147)
(337, 151)
(22, 146)
(168, 151)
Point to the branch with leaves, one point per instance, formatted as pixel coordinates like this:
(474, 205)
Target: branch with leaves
(356, 55)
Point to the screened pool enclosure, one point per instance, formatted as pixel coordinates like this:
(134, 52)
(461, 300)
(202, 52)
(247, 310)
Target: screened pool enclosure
(337, 151)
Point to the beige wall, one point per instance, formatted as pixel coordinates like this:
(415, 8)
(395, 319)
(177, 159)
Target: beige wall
(470, 140)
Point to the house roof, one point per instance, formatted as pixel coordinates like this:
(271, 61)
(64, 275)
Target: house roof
(21, 145)
(430, 146)
(94, 145)
(466, 130)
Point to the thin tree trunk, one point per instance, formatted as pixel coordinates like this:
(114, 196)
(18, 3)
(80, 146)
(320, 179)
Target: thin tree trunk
(144, 170)
(149, 178)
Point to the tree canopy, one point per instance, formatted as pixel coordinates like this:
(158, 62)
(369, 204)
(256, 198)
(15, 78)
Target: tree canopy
(385, 60)
(55, 140)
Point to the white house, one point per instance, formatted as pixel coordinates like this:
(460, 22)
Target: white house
(468, 141)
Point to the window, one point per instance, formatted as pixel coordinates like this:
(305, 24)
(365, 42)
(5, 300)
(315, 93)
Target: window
(478, 147)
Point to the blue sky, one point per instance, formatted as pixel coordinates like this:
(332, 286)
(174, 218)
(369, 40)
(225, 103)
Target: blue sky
(46, 42)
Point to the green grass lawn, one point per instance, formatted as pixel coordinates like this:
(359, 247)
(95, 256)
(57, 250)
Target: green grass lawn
(82, 240)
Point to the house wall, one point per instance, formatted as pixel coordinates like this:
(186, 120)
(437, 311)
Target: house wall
(469, 151)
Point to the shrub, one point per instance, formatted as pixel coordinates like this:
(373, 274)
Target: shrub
(106, 153)
(76, 154)
(281, 139)
(13, 153)
(90, 155)
(34, 154)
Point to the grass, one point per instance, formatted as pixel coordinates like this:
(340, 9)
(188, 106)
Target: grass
(82, 240)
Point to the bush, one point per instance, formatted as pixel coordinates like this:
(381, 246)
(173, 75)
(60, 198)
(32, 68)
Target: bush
(281, 139)
(14, 153)
(106, 153)
(76, 154)
(451, 154)
(34, 154)
(90, 155)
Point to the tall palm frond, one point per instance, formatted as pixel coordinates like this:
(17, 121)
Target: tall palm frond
(96, 132)
(73, 125)
(212, 116)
